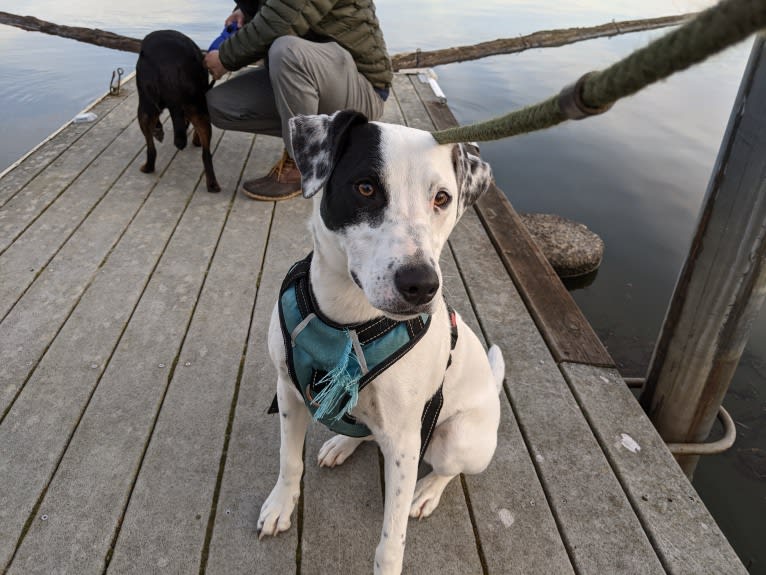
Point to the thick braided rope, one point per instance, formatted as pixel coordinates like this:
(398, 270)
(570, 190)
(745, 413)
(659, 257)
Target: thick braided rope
(716, 28)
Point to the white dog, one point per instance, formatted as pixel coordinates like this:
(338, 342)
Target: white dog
(386, 197)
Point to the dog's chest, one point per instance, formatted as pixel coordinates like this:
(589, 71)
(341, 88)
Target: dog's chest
(331, 365)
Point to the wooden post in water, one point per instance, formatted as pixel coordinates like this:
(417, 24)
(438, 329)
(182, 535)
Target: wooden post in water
(723, 281)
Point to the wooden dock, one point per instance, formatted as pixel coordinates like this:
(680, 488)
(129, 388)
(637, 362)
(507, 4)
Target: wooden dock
(134, 383)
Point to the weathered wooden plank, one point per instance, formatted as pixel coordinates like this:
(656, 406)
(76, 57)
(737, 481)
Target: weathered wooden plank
(566, 331)
(29, 254)
(85, 499)
(29, 327)
(594, 517)
(391, 111)
(514, 524)
(411, 103)
(677, 521)
(166, 521)
(438, 111)
(29, 203)
(342, 509)
(252, 461)
(13, 179)
(444, 542)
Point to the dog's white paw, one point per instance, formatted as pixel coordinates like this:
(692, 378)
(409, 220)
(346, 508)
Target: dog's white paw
(428, 493)
(276, 511)
(337, 449)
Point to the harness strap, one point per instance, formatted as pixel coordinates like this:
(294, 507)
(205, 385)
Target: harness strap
(434, 405)
(362, 334)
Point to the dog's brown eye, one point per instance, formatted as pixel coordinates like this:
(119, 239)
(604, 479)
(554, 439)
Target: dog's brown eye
(365, 188)
(441, 199)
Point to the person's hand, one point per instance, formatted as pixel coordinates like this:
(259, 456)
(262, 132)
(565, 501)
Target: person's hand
(213, 64)
(237, 16)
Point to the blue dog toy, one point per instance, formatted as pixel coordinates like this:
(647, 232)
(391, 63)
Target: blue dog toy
(228, 31)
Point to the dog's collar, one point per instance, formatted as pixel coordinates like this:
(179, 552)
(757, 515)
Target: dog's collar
(356, 353)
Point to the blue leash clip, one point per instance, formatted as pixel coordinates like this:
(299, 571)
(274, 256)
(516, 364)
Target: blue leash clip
(228, 31)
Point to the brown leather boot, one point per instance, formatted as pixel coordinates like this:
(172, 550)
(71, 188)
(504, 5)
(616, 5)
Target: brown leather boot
(282, 182)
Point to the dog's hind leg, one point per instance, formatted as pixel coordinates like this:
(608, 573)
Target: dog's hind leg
(159, 131)
(204, 132)
(338, 448)
(428, 493)
(179, 127)
(148, 121)
(464, 443)
(293, 420)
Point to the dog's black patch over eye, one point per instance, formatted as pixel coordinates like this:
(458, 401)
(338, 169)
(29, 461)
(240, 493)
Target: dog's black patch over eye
(354, 192)
(442, 199)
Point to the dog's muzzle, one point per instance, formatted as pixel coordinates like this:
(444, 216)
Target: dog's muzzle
(417, 283)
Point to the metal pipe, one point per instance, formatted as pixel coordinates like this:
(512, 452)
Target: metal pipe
(634, 382)
(712, 447)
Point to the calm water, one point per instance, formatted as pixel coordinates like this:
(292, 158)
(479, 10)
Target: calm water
(636, 175)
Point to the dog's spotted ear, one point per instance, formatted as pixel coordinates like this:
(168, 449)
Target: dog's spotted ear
(317, 142)
(473, 174)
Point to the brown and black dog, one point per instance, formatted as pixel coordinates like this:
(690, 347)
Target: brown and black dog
(170, 74)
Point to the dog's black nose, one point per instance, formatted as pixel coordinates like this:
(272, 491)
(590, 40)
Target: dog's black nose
(417, 283)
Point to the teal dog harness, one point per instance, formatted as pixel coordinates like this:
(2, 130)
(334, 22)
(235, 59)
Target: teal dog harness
(330, 364)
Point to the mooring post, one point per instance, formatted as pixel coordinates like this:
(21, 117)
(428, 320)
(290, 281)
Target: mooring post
(723, 281)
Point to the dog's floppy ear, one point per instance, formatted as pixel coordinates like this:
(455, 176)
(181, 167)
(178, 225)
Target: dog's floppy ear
(317, 142)
(473, 175)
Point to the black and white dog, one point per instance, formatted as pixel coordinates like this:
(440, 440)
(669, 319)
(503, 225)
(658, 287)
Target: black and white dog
(386, 197)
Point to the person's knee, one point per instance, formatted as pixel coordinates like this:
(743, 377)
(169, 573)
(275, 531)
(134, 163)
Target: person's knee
(285, 52)
(214, 108)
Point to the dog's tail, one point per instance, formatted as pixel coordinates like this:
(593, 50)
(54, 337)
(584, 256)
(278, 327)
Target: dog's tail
(497, 364)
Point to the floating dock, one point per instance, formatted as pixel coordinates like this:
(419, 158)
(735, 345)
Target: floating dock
(134, 384)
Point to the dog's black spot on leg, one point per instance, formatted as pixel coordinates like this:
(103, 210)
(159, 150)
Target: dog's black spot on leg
(398, 463)
(385, 535)
(284, 415)
(399, 491)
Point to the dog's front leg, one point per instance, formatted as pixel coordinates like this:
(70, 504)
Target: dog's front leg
(293, 420)
(400, 454)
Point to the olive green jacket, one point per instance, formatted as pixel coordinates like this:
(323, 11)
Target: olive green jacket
(351, 23)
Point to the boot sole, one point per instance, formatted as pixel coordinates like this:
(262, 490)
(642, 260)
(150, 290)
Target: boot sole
(261, 198)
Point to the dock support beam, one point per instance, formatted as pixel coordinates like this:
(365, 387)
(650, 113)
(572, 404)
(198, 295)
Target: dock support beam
(723, 281)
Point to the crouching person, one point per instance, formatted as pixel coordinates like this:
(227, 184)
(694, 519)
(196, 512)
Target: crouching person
(320, 56)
